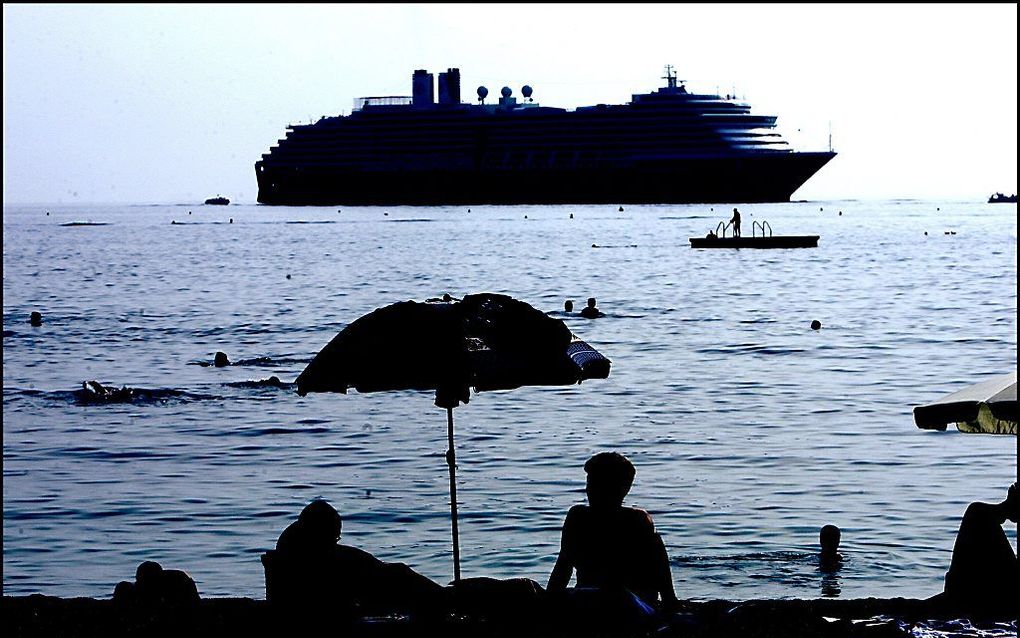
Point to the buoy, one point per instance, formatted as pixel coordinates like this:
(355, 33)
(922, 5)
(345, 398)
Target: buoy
(571, 215)
(525, 217)
(231, 220)
(288, 275)
(816, 324)
(621, 209)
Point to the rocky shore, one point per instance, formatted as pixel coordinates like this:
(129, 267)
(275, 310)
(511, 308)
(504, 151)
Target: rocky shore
(38, 615)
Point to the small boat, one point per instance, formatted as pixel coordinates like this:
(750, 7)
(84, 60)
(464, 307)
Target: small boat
(217, 201)
(999, 198)
(717, 239)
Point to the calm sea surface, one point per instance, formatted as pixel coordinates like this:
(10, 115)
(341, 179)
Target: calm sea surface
(749, 430)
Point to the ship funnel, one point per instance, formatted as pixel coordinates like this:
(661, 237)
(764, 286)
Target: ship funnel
(449, 87)
(422, 88)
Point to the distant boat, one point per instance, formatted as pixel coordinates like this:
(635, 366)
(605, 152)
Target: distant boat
(217, 201)
(999, 198)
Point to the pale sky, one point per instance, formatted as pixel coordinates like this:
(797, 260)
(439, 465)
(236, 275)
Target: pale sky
(175, 103)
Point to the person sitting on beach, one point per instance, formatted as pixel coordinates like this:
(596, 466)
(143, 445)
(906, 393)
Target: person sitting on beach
(984, 572)
(157, 586)
(612, 548)
(590, 311)
(315, 568)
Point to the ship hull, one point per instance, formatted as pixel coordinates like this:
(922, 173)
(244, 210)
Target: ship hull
(758, 177)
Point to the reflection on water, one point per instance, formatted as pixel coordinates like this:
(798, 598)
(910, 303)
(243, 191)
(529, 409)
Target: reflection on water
(749, 430)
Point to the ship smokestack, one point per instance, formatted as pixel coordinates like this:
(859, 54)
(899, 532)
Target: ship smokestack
(422, 93)
(449, 87)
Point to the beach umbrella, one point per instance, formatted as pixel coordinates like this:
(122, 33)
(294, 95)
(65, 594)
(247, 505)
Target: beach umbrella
(484, 341)
(988, 407)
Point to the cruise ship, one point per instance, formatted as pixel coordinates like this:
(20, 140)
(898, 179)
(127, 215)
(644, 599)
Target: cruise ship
(667, 146)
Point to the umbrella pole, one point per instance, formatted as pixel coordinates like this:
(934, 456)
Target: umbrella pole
(451, 460)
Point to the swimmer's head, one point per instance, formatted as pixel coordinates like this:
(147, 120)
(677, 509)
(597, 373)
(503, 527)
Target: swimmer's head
(828, 538)
(221, 360)
(591, 302)
(568, 305)
(610, 475)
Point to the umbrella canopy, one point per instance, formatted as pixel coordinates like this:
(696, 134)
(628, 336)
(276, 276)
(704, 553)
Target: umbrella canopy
(988, 407)
(484, 341)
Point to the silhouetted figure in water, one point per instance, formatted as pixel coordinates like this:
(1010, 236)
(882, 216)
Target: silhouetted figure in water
(735, 220)
(157, 586)
(95, 392)
(35, 319)
(614, 549)
(310, 568)
(221, 360)
(568, 306)
(983, 574)
(590, 311)
(829, 558)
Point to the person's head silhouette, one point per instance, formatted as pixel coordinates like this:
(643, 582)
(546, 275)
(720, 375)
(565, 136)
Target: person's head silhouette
(610, 476)
(828, 538)
(322, 522)
(591, 302)
(568, 305)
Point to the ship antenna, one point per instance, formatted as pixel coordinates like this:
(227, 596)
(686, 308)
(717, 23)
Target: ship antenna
(670, 77)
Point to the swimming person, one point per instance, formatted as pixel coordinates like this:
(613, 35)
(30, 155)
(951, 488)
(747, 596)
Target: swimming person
(612, 547)
(314, 568)
(590, 311)
(983, 573)
(829, 558)
(735, 220)
(568, 306)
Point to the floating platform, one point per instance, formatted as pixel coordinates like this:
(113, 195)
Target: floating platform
(775, 241)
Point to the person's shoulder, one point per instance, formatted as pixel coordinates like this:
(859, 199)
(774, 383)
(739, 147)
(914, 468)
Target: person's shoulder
(640, 517)
(290, 538)
(578, 510)
(355, 555)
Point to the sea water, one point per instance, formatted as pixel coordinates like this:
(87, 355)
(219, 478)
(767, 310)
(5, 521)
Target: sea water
(749, 430)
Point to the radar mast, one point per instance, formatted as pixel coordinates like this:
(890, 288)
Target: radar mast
(670, 78)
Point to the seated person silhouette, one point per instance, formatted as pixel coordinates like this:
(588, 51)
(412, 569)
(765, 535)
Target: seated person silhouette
(590, 311)
(310, 567)
(157, 586)
(613, 549)
(983, 574)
